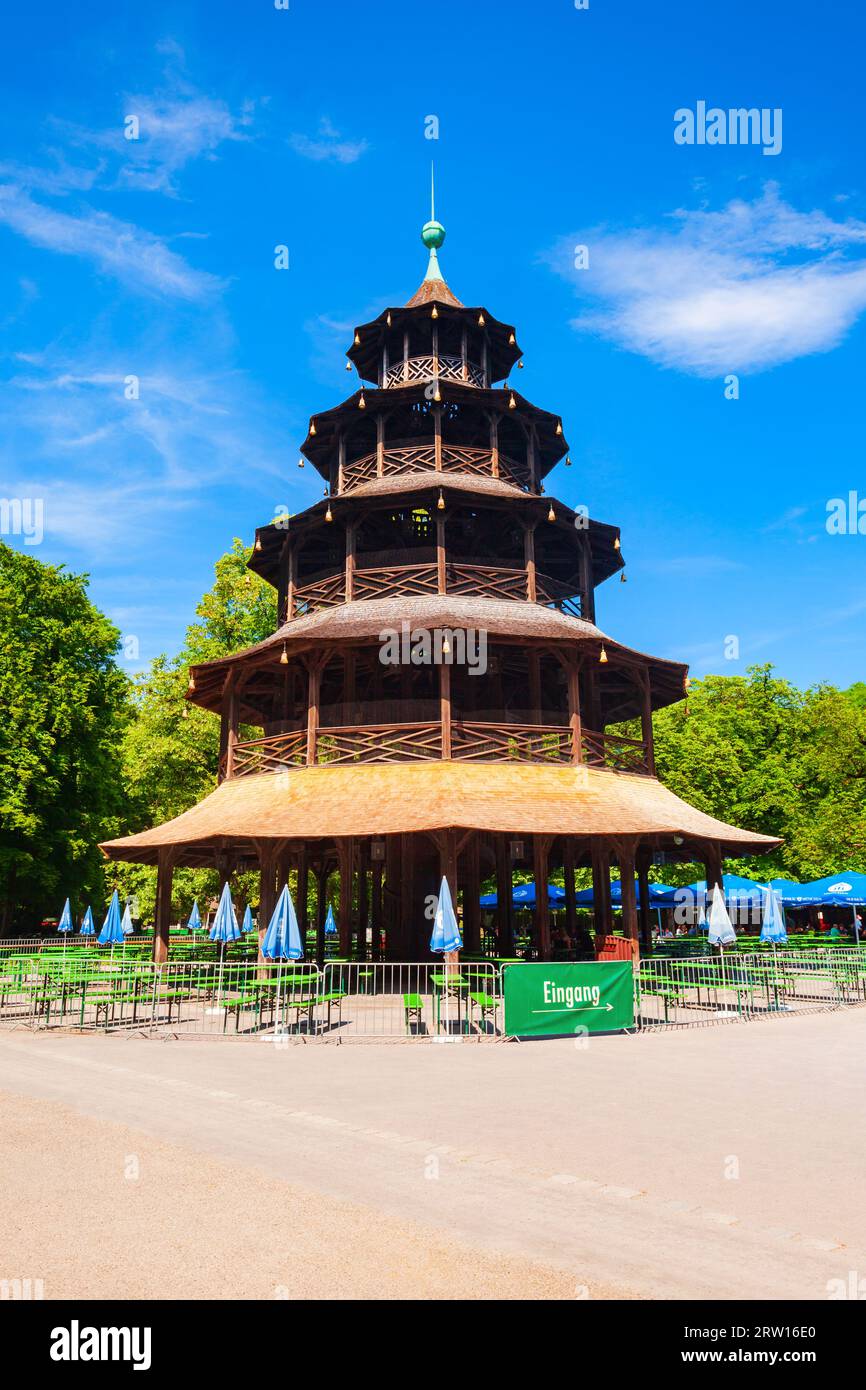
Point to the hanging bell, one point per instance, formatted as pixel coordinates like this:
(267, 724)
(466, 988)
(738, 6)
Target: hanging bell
(520, 365)
(602, 656)
(388, 318)
(284, 656)
(445, 647)
(568, 460)
(258, 544)
(559, 427)
(312, 427)
(191, 685)
(511, 340)
(512, 403)
(616, 542)
(300, 463)
(435, 313)
(440, 505)
(348, 366)
(481, 320)
(362, 404)
(329, 515)
(622, 578)
(357, 339)
(551, 515)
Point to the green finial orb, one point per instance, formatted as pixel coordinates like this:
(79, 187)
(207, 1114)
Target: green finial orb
(433, 235)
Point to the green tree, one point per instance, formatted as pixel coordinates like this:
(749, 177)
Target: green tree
(65, 709)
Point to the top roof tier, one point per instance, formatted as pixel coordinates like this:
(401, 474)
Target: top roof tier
(434, 334)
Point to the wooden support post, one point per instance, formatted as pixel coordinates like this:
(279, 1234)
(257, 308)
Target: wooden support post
(303, 891)
(494, 444)
(437, 437)
(713, 865)
(643, 861)
(341, 461)
(625, 853)
(314, 669)
(283, 581)
(225, 721)
(587, 592)
(320, 874)
(267, 851)
(534, 661)
(345, 862)
(529, 562)
(570, 897)
(380, 446)
(540, 853)
(646, 720)
(363, 897)
(602, 913)
(162, 919)
(292, 583)
(351, 533)
(445, 707)
(573, 674)
(406, 923)
(471, 895)
(232, 719)
(376, 914)
(441, 556)
(504, 890)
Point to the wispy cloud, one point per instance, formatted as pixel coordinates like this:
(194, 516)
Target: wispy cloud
(746, 288)
(328, 144)
(137, 258)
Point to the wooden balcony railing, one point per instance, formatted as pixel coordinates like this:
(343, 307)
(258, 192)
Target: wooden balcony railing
(456, 458)
(450, 368)
(471, 741)
(400, 580)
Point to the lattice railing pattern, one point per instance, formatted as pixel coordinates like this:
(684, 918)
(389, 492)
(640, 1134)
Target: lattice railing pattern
(424, 369)
(273, 754)
(613, 751)
(324, 593)
(492, 581)
(538, 743)
(383, 743)
(394, 580)
(456, 458)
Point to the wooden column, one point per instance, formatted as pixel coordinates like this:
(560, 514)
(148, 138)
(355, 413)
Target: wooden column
(345, 861)
(643, 861)
(405, 924)
(292, 581)
(437, 436)
(229, 726)
(646, 720)
(568, 879)
(314, 667)
(504, 889)
(303, 891)
(321, 877)
(351, 533)
(713, 865)
(283, 581)
(363, 897)
(471, 894)
(534, 663)
(529, 561)
(341, 461)
(441, 556)
(267, 851)
(625, 853)
(225, 724)
(573, 674)
(380, 446)
(540, 852)
(587, 593)
(602, 913)
(376, 913)
(464, 355)
(162, 919)
(405, 354)
(494, 444)
(445, 708)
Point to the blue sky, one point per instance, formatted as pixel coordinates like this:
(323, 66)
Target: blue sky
(306, 127)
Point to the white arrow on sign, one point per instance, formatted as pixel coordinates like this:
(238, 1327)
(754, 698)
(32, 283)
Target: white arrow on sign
(584, 1009)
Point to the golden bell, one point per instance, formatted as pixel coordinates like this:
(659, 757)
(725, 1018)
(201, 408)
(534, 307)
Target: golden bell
(481, 320)
(348, 366)
(329, 515)
(622, 578)
(551, 515)
(602, 656)
(616, 543)
(520, 365)
(435, 313)
(258, 544)
(388, 319)
(687, 684)
(512, 403)
(440, 505)
(312, 427)
(362, 404)
(568, 460)
(300, 463)
(185, 712)
(357, 340)
(511, 340)
(559, 427)
(284, 656)
(191, 685)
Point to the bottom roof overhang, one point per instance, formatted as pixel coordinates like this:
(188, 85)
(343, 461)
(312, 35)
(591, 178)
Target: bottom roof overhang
(327, 803)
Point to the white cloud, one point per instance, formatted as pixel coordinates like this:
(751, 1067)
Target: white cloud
(136, 257)
(745, 288)
(328, 145)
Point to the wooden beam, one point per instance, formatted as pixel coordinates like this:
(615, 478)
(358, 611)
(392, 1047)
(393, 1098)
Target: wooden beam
(471, 893)
(445, 707)
(345, 861)
(540, 857)
(162, 917)
(529, 561)
(351, 532)
(625, 853)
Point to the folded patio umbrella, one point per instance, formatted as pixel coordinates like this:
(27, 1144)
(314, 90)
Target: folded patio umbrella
(112, 930)
(446, 933)
(247, 925)
(282, 940)
(721, 932)
(194, 922)
(66, 923)
(126, 922)
(330, 924)
(225, 924)
(87, 927)
(773, 926)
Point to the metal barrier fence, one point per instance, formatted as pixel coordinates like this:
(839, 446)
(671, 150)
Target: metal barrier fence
(274, 1000)
(282, 1001)
(709, 989)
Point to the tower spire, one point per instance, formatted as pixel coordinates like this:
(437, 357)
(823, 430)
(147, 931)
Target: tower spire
(433, 233)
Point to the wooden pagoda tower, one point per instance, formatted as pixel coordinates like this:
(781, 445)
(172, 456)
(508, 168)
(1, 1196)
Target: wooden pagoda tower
(436, 528)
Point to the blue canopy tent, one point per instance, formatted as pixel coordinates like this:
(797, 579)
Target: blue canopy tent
(659, 895)
(845, 889)
(523, 895)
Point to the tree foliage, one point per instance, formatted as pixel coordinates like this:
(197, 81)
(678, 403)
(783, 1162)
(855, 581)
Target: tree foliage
(65, 709)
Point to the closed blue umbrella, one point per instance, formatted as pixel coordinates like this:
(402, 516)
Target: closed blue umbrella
(225, 925)
(126, 922)
(87, 927)
(721, 932)
(66, 923)
(112, 930)
(194, 922)
(330, 924)
(282, 940)
(773, 926)
(446, 933)
(247, 925)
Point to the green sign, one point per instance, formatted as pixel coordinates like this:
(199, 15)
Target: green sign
(547, 1000)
